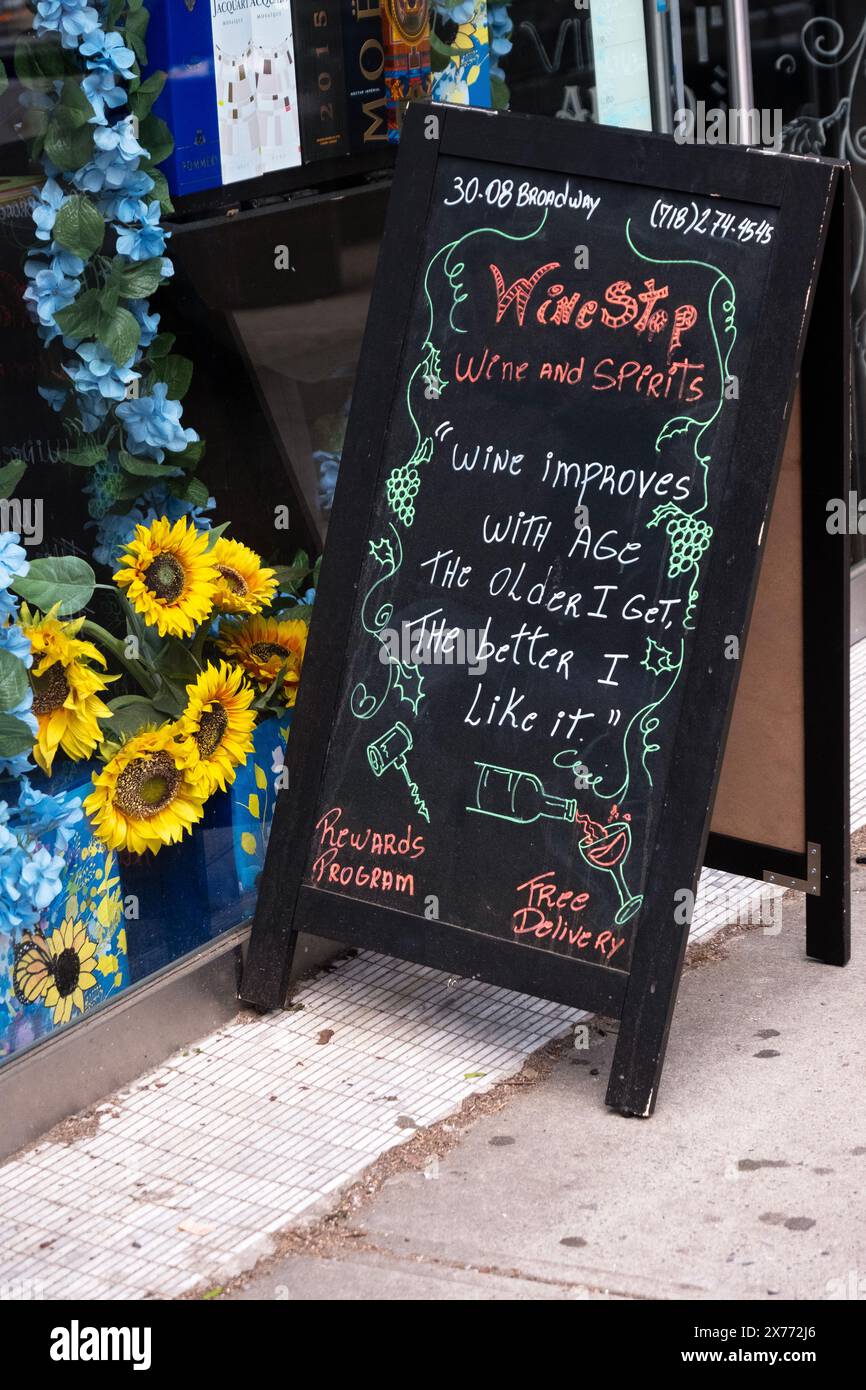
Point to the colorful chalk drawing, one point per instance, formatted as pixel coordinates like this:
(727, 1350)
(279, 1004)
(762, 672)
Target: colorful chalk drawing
(390, 751)
(404, 679)
(689, 535)
(604, 847)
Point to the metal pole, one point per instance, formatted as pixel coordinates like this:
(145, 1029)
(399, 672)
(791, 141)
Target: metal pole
(659, 61)
(741, 92)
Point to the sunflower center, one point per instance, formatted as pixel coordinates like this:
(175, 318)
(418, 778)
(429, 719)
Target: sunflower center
(164, 577)
(264, 651)
(234, 580)
(67, 969)
(49, 690)
(211, 728)
(147, 786)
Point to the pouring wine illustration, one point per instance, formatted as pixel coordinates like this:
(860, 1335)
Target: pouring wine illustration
(520, 797)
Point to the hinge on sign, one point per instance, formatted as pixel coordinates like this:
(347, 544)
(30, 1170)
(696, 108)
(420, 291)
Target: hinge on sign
(811, 883)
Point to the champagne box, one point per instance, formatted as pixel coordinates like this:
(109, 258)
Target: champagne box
(230, 98)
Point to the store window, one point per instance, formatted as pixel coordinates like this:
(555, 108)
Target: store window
(172, 433)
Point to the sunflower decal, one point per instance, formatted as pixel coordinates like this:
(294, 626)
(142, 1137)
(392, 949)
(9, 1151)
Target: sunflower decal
(244, 585)
(66, 687)
(219, 721)
(55, 969)
(263, 647)
(169, 576)
(149, 794)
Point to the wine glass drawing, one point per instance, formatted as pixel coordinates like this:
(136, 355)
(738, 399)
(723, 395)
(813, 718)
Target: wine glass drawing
(606, 847)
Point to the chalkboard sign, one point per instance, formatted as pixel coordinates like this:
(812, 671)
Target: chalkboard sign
(573, 393)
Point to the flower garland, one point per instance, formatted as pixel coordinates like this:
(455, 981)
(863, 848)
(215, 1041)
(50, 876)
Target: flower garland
(97, 259)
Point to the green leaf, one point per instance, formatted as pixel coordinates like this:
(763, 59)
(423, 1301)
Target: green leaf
(159, 192)
(175, 662)
(170, 701)
(145, 468)
(190, 457)
(13, 680)
(137, 20)
(57, 578)
(161, 346)
(196, 493)
(155, 136)
(80, 318)
(143, 98)
(129, 715)
(87, 456)
(15, 736)
(176, 372)
(10, 476)
(80, 227)
(119, 331)
(38, 64)
(139, 280)
(74, 104)
(68, 149)
(4, 80)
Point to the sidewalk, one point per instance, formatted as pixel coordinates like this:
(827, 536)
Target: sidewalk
(749, 1181)
(398, 1133)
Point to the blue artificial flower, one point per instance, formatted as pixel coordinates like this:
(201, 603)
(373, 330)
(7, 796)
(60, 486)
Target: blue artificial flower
(114, 534)
(115, 167)
(500, 25)
(49, 291)
(49, 201)
(65, 262)
(159, 501)
(20, 763)
(328, 466)
(13, 565)
(92, 410)
(43, 816)
(153, 425)
(55, 398)
(68, 18)
(119, 138)
(149, 323)
(141, 243)
(101, 90)
(108, 51)
(127, 205)
(100, 373)
(14, 640)
(41, 877)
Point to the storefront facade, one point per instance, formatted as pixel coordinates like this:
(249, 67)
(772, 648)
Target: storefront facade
(274, 239)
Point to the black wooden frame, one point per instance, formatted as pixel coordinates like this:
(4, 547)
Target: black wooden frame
(802, 192)
(825, 452)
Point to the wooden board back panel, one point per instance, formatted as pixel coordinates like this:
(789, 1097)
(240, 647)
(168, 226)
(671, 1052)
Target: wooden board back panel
(762, 789)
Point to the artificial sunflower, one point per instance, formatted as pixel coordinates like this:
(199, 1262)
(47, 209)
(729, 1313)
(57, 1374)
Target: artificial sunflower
(263, 646)
(55, 969)
(66, 688)
(169, 576)
(148, 794)
(244, 585)
(219, 721)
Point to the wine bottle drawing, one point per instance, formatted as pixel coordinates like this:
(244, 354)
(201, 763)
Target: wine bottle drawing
(520, 797)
